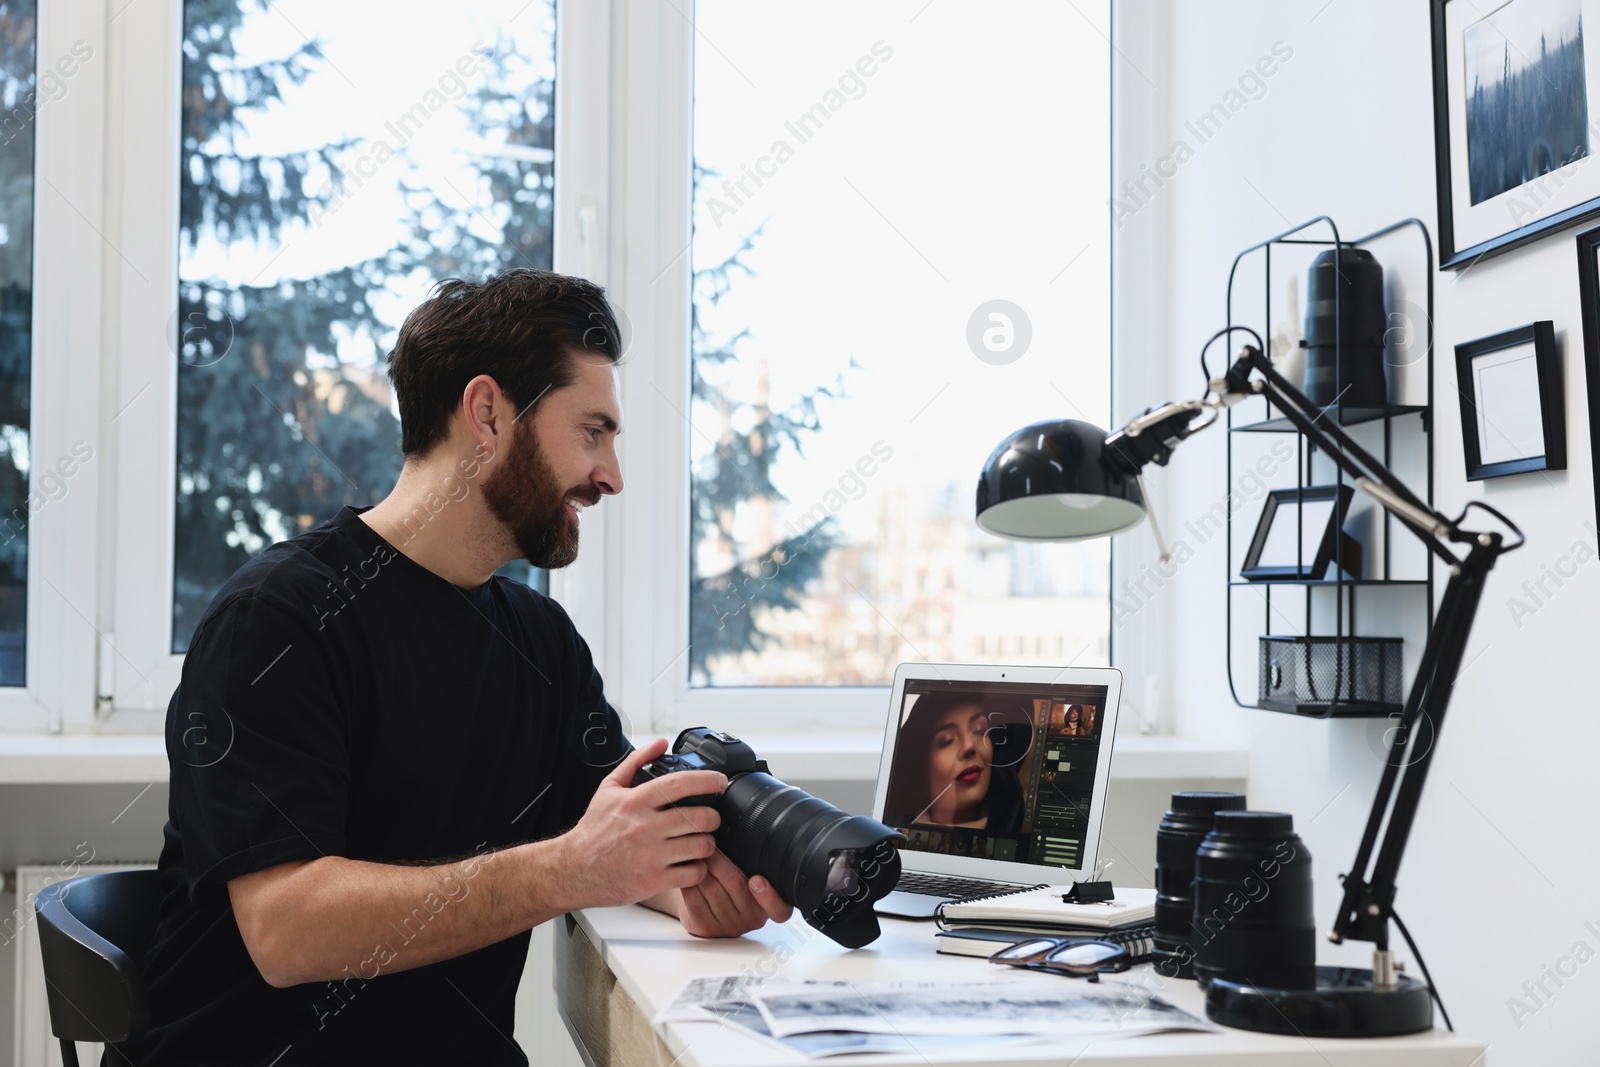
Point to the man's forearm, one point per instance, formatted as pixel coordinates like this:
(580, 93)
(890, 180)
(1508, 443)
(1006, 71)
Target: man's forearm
(334, 918)
(337, 918)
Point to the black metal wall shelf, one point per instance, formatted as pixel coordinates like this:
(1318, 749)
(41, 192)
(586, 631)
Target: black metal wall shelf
(1379, 565)
(1260, 583)
(1349, 709)
(1343, 416)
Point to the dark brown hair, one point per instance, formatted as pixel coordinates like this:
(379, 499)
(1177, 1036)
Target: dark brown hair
(518, 326)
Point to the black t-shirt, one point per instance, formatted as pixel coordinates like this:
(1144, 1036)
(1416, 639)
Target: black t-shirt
(339, 699)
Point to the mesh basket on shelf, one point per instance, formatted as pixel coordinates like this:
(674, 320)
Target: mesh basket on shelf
(1331, 676)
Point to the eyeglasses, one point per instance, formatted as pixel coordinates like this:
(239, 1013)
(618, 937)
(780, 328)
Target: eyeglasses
(1070, 956)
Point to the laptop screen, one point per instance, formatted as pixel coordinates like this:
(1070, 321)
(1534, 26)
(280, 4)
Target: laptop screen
(996, 770)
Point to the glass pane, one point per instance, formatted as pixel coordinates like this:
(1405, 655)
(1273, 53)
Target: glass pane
(19, 105)
(901, 254)
(335, 165)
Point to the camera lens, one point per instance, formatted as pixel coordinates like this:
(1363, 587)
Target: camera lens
(1182, 829)
(844, 876)
(1253, 920)
(830, 865)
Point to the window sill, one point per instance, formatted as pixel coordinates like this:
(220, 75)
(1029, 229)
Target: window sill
(41, 759)
(816, 757)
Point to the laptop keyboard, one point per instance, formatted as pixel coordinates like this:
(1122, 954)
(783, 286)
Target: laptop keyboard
(950, 887)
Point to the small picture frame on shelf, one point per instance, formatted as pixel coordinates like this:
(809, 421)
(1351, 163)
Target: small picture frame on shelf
(1298, 533)
(1513, 419)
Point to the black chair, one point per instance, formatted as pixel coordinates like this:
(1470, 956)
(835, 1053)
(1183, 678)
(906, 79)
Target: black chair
(93, 933)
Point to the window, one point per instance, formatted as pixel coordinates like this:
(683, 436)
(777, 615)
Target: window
(281, 183)
(20, 100)
(899, 255)
(334, 166)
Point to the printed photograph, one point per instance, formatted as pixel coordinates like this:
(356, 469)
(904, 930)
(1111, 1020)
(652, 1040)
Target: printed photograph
(1526, 93)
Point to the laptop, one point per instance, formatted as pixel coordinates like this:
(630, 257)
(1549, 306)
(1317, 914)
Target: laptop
(997, 777)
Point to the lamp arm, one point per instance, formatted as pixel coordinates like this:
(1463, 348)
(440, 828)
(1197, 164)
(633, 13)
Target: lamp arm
(1368, 902)
(1151, 435)
(1435, 530)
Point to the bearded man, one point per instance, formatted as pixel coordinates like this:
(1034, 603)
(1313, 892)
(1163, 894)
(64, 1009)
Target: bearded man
(389, 763)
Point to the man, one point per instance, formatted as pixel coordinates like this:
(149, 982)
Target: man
(388, 764)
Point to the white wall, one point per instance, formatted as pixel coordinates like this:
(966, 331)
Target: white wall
(1500, 878)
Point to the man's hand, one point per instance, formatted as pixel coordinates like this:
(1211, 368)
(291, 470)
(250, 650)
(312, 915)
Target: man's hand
(631, 844)
(726, 904)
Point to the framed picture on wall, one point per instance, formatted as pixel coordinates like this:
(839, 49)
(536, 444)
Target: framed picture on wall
(1512, 416)
(1516, 107)
(1589, 299)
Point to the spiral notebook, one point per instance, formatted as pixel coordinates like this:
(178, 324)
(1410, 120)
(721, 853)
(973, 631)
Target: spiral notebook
(985, 941)
(1041, 909)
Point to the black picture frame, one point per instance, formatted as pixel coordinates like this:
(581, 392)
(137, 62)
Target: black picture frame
(1588, 243)
(1548, 394)
(1450, 256)
(1289, 501)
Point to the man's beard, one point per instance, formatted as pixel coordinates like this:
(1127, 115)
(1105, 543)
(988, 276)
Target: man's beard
(525, 495)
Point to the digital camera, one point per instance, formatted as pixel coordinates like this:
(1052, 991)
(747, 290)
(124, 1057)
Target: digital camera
(830, 865)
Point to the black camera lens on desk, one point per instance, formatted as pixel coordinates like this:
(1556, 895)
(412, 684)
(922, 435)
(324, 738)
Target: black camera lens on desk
(1182, 828)
(1253, 918)
(830, 865)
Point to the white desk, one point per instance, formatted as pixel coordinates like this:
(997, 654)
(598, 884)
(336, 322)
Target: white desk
(616, 967)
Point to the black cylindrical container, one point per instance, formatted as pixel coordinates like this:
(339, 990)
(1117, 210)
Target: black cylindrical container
(1182, 828)
(1358, 381)
(1253, 920)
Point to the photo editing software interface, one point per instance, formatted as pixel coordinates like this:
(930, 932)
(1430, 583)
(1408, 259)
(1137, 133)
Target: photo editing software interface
(996, 770)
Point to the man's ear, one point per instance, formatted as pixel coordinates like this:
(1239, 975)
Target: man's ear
(487, 414)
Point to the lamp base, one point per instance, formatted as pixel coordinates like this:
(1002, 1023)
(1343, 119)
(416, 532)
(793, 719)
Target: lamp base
(1343, 1004)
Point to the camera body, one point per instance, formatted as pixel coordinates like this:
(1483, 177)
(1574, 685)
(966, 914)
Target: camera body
(702, 749)
(829, 865)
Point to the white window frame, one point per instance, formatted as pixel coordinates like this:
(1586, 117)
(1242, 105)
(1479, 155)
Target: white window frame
(623, 102)
(587, 242)
(1140, 255)
(140, 368)
(142, 151)
(623, 217)
(69, 256)
(647, 561)
(639, 622)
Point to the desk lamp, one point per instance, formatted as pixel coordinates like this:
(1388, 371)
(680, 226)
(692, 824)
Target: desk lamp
(1069, 481)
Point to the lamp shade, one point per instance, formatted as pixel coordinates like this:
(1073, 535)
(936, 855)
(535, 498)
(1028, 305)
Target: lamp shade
(1052, 481)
